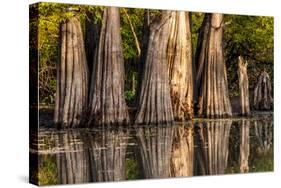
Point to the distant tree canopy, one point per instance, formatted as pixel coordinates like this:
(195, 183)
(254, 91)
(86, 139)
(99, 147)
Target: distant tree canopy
(248, 36)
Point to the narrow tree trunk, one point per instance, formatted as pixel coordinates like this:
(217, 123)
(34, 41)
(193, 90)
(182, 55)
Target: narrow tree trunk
(212, 150)
(154, 103)
(263, 93)
(179, 54)
(244, 87)
(213, 101)
(107, 100)
(182, 151)
(72, 76)
(155, 144)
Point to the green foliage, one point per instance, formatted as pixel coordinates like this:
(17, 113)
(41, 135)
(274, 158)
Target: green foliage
(131, 169)
(47, 173)
(129, 96)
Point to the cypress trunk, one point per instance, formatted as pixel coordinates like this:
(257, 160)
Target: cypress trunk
(154, 103)
(179, 54)
(72, 76)
(107, 100)
(244, 87)
(263, 93)
(211, 78)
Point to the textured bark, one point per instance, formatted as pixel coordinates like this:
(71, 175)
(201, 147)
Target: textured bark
(179, 54)
(182, 151)
(73, 163)
(154, 103)
(155, 144)
(72, 76)
(107, 151)
(107, 100)
(211, 78)
(212, 150)
(244, 146)
(243, 86)
(263, 93)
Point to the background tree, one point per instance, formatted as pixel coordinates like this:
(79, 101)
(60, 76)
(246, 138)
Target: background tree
(263, 93)
(72, 76)
(107, 101)
(154, 103)
(211, 78)
(244, 86)
(179, 53)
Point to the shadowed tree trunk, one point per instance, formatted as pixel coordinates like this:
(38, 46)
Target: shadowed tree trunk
(107, 100)
(263, 93)
(179, 54)
(244, 146)
(243, 86)
(154, 103)
(211, 78)
(107, 151)
(72, 76)
(155, 144)
(212, 150)
(182, 151)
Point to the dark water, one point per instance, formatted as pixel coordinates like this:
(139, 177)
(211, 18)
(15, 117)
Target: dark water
(199, 147)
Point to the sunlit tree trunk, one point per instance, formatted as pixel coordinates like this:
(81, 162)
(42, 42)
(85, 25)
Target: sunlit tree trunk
(155, 145)
(154, 103)
(212, 151)
(179, 54)
(107, 100)
(72, 76)
(211, 78)
(182, 151)
(263, 93)
(244, 146)
(244, 87)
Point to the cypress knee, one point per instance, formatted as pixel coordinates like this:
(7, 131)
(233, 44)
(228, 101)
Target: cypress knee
(154, 103)
(72, 76)
(179, 54)
(244, 87)
(211, 78)
(107, 100)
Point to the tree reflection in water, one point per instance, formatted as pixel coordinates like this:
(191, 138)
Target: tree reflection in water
(244, 145)
(155, 145)
(182, 150)
(264, 134)
(211, 151)
(92, 156)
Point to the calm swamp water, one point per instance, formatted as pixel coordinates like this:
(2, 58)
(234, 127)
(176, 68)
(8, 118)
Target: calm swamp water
(194, 148)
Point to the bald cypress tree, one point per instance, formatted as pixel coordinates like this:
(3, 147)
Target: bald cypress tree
(107, 100)
(154, 103)
(179, 54)
(211, 78)
(72, 76)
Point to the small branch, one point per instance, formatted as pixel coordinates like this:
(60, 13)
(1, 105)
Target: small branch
(133, 31)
